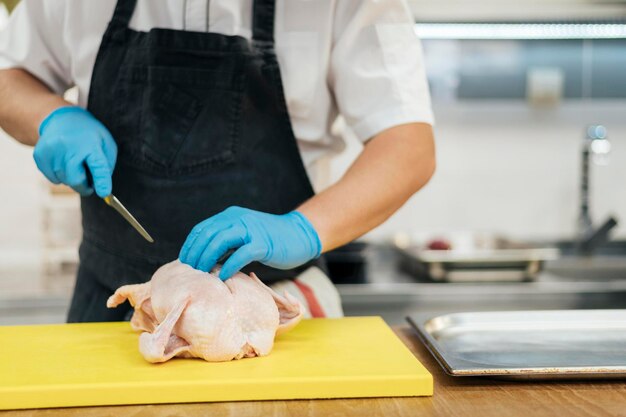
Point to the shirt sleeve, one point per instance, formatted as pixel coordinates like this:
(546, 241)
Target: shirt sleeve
(377, 71)
(33, 40)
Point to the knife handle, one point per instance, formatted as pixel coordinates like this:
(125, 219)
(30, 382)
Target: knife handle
(106, 199)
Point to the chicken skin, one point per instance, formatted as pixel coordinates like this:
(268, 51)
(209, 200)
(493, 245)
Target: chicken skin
(185, 312)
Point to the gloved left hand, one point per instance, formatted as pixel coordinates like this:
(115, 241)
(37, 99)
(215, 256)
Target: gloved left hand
(280, 241)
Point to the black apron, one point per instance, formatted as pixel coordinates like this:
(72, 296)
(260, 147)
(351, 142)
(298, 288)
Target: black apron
(201, 124)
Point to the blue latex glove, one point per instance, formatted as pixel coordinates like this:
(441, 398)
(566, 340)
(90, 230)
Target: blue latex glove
(280, 241)
(71, 138)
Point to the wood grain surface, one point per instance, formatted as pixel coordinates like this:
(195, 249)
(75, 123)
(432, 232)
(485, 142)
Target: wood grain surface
(466, 397)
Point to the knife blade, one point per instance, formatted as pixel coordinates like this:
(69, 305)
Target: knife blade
(112, 201)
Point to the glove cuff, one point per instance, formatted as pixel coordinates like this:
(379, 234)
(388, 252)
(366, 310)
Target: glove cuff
(311, 233)
(56, 112)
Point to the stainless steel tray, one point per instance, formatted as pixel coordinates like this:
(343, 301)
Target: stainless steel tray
(474, 257)
(557, 344)
(479, 265)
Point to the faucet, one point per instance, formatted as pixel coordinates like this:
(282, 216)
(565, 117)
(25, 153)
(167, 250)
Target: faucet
(595, 147)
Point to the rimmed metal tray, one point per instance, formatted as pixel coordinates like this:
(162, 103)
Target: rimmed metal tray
(479, 258)
(556, 344)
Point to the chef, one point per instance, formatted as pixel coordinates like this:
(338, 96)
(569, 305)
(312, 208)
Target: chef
(206, 119)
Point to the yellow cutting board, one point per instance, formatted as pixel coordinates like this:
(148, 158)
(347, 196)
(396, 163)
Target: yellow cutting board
(89, 364)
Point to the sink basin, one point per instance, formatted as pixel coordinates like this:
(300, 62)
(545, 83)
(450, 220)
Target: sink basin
(614, 248)
(607, 263)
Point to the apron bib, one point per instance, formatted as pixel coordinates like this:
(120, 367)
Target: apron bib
(201, 124)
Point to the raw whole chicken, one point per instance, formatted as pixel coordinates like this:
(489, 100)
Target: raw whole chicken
(185, 312)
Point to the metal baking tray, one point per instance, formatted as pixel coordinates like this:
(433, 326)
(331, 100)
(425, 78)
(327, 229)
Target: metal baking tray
(555, 344)
(488, 265)
(478, 258)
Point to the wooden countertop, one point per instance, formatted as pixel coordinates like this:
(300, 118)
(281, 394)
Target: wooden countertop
(465, 397)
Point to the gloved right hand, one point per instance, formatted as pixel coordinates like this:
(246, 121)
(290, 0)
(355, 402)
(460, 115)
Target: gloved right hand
(71, 139)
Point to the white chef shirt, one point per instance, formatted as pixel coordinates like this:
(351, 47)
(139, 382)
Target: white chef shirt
(356, 58)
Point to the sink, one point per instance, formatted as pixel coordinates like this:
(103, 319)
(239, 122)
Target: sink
(607, 263)
(614, 248)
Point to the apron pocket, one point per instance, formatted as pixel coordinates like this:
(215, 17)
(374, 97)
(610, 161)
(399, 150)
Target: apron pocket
(169, 114)
(191, 118)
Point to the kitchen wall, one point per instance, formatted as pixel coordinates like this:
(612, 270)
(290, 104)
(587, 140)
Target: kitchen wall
(21, 191)
(21, 237)
(504, 166)
(511, 116)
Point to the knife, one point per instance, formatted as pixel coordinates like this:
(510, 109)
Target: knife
(113, 201)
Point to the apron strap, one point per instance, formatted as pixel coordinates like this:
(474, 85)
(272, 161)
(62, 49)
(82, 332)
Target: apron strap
(124, 10)
(263, 20)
